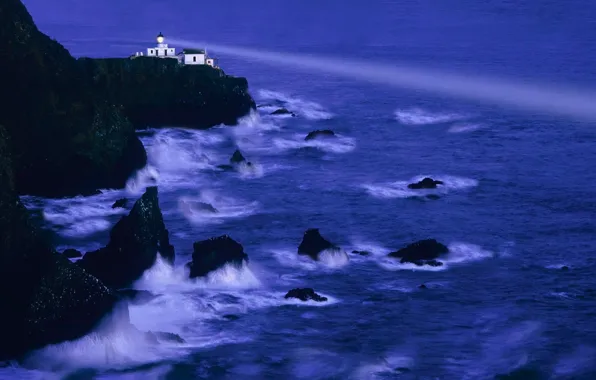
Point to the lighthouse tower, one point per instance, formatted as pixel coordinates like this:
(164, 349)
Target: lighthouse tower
(161, 50)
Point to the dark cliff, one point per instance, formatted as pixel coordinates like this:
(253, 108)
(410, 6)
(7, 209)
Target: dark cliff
(66, 139)
(156, 92)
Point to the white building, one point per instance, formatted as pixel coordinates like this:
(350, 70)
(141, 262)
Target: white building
(185, 57)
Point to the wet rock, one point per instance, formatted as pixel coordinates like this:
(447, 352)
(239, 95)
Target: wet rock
(44, 298)
(212, 254)
(305, 294)
(159, 336)
(120, 203)
(135, 242)
(313, 244)
(564, 268)
(423, 252)
(324, 133)
(361, 253)
(422, 286)
(237, 157)
(197, 206)
(72, 253)
(426, 183)
(283, 111)
(134, 296)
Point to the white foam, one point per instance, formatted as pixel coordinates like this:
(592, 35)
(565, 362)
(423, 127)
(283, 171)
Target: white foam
(399, 189)
(337, 144)
(419, 116)
(307, 109)
(334, 258)
(227, 208)
(384, 368)
(255, 170)
(465, 127)
(328, 260)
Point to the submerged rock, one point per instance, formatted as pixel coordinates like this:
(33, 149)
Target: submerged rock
(426, 183)
(214, 253)
(305, 294)
(44, 298)
(283, 111)
(120, 203)
(136, 296)
(325, 133)
(422, 286)
(67, 139)
(197, 206)
(134, 244)
(423, 252)
(156, 336)
(313, 244)
(361, 253)
(72, 253)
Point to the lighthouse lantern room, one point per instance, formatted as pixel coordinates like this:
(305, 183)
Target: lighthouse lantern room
(161, 50)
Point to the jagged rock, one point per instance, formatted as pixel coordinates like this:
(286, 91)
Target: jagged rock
(237, 157)
(134, 296)
(44, 298)
(361, 253)
(313, 244)
(120, 203)
(212, 254)
(326, 133)
(72, 253)
(426, 183)
(66, 138)
(423, 252)
(134, 244)
(160, 92)
(305, 294)
(156, 336)
(283, 111)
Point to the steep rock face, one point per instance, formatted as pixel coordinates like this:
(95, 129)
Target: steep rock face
(45, 299)
(160, 92)
(313, 244)
(134, 244)
(212, 254)
(66, 139)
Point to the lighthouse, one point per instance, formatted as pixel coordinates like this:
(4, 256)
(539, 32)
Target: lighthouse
(161, 50)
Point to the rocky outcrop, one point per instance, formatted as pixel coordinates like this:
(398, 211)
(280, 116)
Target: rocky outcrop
(426, 183)
(135, 242)
(66, 138)
(283, 111)
(305, 294)
(237, 157)
(45, 299)
(313, 244)
(120, 203)
(160, 92)
(324, 133)
(135, 296)
(212, 254)
(72, 253)
(423, 252)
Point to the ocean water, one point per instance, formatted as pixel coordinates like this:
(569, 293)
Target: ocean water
(517, 205)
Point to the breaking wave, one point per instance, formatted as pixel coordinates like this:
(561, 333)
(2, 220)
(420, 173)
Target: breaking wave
(307, 109)
(210, 207)
(419, 116)
(338, 144)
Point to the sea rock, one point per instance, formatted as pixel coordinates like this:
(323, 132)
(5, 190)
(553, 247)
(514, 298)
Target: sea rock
(325, 133)
(134, 296)
(44, 298)
(361, 253)
(283, 111)
(313, 244)
(197, 206)
(426, 183)
(305, 294)
(212, 254)
(422, 286)
(120, 203)
(67, 139)
(423, 252)
(134, 244)
(237, 157)
(160, 92)
(72, 253)
(159, 336)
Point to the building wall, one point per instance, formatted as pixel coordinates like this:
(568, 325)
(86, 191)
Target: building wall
(194, 59)
(161, 52)
(210, 62)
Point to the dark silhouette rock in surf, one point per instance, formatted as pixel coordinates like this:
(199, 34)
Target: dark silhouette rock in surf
(283, 111)
(135, 242)
(426, 183)
(423, 252)
(305, 294)
(197, 206)
(361, 253)
(134, 296)
(72, 253)
(237, 157)
(120, 203)
(212, 254)
(422, 286)
(156, 337)
(313, 244)
(324, 133)
(564, 268)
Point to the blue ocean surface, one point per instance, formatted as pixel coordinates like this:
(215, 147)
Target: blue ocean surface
(518, 203)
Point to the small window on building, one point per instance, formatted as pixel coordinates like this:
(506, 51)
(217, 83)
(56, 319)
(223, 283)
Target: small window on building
(194, 59)
(150, 51)
(165, 52)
